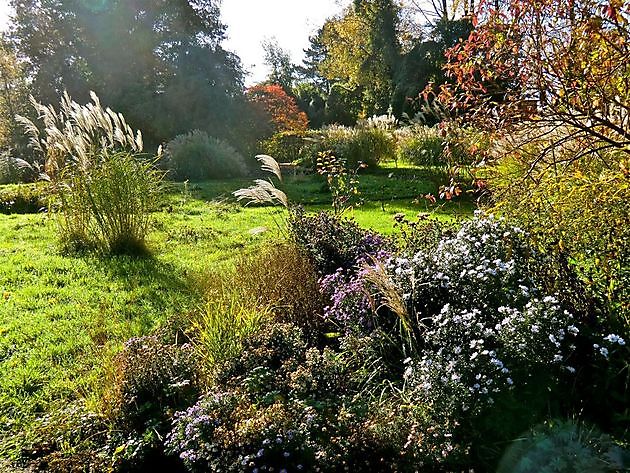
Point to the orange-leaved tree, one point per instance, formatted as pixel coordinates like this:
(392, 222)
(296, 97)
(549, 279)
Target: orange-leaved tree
(281, 109)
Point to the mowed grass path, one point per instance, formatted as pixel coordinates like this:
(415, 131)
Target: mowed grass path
(63, 317)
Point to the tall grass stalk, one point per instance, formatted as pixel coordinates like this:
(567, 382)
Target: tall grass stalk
(76, 134)
(264, 192)
(376, 275)
(224, 323)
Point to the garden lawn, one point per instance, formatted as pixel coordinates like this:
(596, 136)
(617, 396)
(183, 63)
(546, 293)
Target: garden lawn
(63, 317)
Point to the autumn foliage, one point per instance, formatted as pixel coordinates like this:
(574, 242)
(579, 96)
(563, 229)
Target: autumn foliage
(281, 109)
(555, 63)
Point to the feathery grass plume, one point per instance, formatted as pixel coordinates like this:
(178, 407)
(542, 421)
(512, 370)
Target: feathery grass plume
(104, 187)
(269, 164)
(75, 135)
(375, 273)
(264, 192)
(13, 170)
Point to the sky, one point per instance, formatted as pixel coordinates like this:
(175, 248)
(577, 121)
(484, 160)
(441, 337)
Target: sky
(250, 22)
(4, 14)
(290, 22)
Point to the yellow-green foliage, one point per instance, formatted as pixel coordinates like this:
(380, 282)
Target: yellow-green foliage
(225, 321)
(292, 146)
(440, 146)
(367, 144)
(420, 145)
(278, 282)
(109, 206)
(371, 146)
(24, 198)
(581, 208)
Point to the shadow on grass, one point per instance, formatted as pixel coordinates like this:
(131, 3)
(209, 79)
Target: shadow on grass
(144, 270)
(151, 293)
(379, 184)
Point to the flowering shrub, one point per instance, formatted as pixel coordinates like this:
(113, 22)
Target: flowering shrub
(338, 249)
(151, 380)
(282, 406)
(332, 242)
(471, 356)
(480, 319)
(480, 330)
(422, 234)
(350, 302)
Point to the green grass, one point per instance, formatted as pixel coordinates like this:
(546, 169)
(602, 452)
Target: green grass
(385, 184)
(63, 317)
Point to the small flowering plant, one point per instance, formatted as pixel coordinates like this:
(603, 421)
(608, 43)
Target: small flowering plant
(349, 292)
(288, 408)
(474, 355)
(225, 432)
(342, 182)
(610, 342)
(350, 303)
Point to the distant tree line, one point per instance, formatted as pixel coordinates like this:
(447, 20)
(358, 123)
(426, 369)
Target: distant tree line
(373, 58)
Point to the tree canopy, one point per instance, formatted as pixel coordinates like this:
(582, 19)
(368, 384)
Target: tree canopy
(160, 62)
(372, 58)
(13, 99)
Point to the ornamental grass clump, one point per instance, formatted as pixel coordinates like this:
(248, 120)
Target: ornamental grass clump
(108, 207)
(198, 156)
(103, 187)
(371, 146)
(282, 279)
